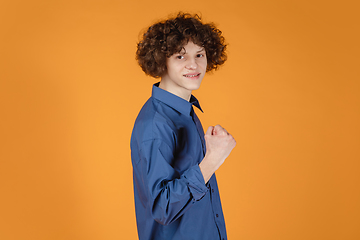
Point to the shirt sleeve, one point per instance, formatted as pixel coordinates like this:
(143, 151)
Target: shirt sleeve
(169, 193)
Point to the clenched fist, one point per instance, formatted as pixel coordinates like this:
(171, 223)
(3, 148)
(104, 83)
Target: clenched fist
(219, 144)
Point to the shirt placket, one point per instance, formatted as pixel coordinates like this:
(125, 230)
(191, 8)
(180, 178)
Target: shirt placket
(199, 129)
(214, 205)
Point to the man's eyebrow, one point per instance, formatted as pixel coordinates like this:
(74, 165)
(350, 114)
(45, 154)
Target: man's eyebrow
(203, 49)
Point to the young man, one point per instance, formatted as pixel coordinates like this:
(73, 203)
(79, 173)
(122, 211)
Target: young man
(175, 188)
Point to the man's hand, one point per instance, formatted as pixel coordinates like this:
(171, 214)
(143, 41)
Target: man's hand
(219, 144)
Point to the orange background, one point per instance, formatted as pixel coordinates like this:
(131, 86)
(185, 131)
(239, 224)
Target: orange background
(71, 89)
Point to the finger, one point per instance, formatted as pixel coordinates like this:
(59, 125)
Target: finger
(223, 129)
(220, 130)
(209, 130)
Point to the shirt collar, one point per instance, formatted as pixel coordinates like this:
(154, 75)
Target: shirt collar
(173, 101)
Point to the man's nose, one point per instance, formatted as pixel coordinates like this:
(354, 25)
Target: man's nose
(191, 64)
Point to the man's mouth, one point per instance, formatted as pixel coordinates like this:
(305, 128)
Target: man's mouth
(191, 75)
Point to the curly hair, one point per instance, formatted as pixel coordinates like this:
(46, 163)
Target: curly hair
(165, 38)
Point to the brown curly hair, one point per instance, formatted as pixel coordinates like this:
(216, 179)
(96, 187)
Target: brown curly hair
(165, 38)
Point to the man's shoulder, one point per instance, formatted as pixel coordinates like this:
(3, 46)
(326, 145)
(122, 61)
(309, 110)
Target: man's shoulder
(154, 121)
(154, 111)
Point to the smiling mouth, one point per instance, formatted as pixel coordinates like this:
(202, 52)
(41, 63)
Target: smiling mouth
(191, 75)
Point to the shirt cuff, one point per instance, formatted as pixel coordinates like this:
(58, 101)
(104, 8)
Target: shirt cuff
(196, 182)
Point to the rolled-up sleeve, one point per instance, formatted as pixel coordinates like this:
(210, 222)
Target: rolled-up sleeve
(196, 182)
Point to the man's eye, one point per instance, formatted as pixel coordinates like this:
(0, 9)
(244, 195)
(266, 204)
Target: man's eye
(199, 55)
(179, 57)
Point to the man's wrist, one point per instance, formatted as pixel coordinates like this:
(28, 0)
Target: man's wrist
(207, 168)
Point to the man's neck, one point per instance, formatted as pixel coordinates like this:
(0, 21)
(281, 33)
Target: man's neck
(183, 94)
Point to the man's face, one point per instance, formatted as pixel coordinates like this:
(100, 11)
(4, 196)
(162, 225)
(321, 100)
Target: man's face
(185, 71)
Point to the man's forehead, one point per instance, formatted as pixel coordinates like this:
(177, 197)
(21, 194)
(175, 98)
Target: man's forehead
(199, 48)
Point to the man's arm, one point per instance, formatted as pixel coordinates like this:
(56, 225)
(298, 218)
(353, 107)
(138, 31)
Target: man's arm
(219, 144)
(169, 193)
(166, 193)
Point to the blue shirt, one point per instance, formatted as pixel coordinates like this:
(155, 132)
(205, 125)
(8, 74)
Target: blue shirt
(172, 201)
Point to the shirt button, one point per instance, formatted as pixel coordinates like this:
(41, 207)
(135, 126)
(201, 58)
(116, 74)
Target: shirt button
(217, 215)
(212, 190)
